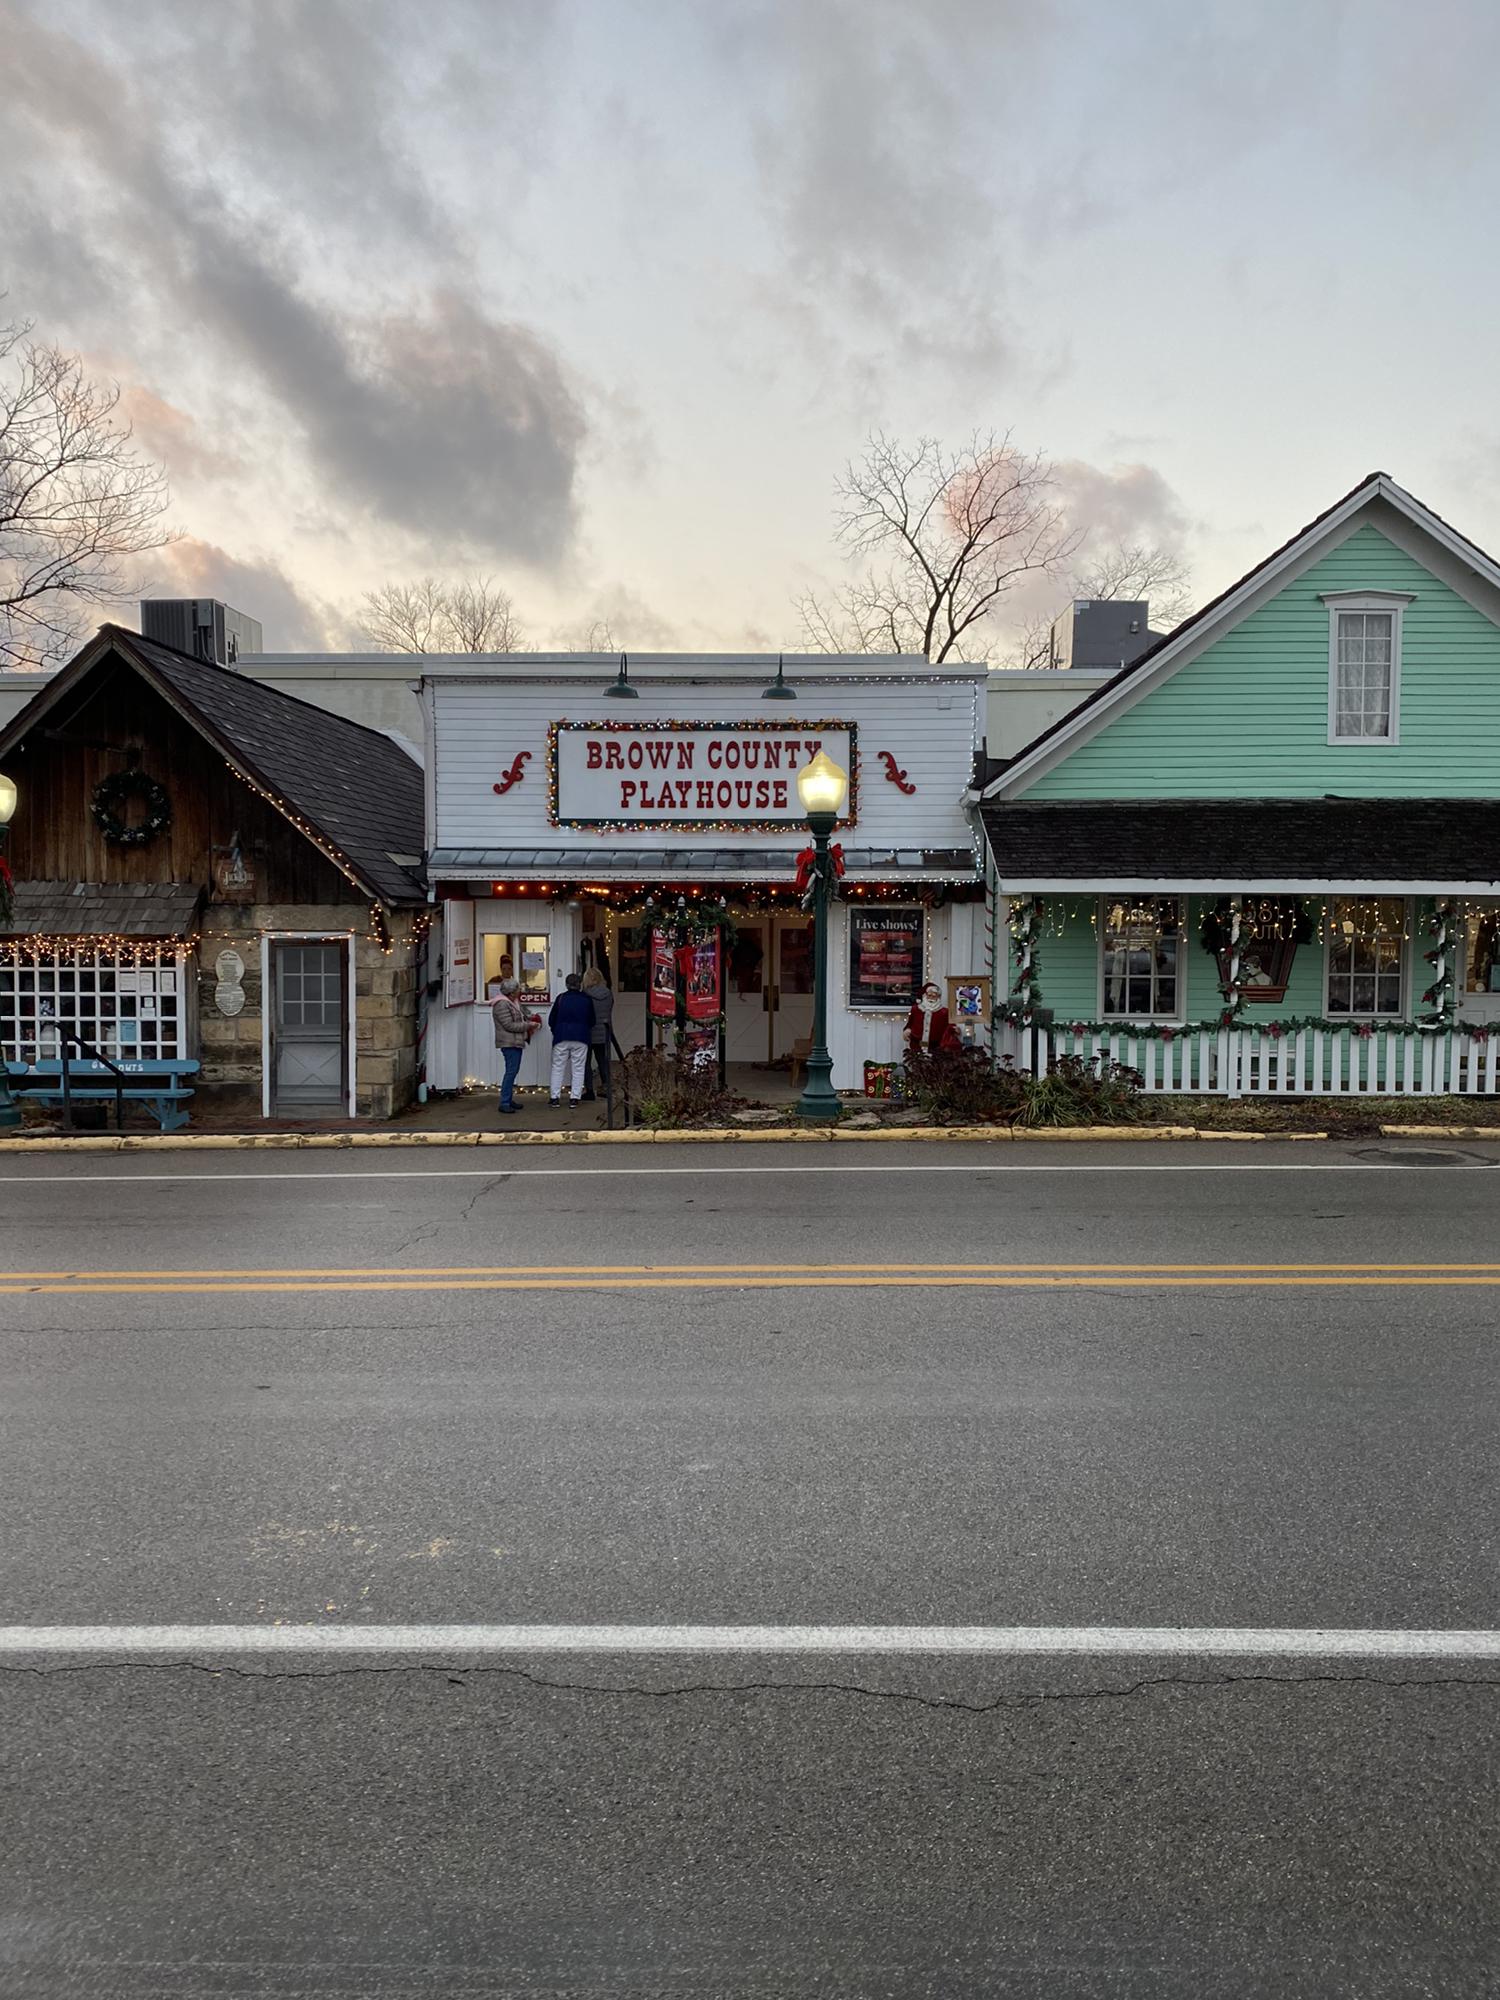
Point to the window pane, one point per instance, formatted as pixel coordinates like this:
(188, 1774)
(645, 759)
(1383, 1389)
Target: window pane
(1139, 945)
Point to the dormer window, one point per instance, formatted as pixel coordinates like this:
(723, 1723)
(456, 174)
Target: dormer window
(1364, 665)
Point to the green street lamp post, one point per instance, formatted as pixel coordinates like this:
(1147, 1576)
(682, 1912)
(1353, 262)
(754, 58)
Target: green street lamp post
(822, 786)
(10, 1111)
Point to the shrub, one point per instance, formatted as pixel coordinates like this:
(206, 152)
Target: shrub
(962, 1085)
(663, 1087)
(1078, 1090)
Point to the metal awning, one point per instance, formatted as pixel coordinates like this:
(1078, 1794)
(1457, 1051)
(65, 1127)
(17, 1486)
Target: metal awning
(687, 864)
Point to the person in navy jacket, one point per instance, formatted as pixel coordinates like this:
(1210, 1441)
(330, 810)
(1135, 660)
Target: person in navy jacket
(572, 1025)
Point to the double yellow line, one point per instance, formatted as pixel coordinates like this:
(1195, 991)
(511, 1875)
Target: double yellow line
(746, 1277)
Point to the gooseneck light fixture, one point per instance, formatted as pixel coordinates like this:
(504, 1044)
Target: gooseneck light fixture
(778, 689)
(619, 688)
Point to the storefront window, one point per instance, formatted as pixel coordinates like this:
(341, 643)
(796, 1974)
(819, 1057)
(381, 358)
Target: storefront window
(1482, 962)
(885, 957)
(1141, 946)
(632, 957)
(1364, 954)
(521, 955)
(129, 1007)
(797, 958)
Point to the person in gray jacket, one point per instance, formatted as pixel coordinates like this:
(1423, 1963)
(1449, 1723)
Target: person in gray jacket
(513, 1030)
(602, 994)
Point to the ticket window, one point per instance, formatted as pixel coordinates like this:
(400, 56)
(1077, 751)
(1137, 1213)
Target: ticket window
(522, 955)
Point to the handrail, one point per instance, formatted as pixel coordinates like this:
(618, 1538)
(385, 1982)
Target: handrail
(91, 1054)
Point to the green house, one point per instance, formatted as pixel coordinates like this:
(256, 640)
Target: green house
(1265, 855)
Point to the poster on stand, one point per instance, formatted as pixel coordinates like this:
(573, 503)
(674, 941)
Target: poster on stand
(703, 1003)
(663, 1000)
(700, 1044)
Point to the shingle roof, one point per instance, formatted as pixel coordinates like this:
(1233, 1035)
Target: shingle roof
(104, 909)
(1240, 841)
(358, 790)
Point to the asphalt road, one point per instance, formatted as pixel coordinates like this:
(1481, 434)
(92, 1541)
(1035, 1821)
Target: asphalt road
(225, 1400)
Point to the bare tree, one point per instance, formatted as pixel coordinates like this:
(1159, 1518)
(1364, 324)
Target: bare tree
(482, 618)
(76, 500)
(945, 534)
(1125, 571)
(1140, 570)
(427, 616)
(595, 637)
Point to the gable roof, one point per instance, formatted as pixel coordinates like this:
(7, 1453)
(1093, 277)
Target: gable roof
(1158, 660)
(351, 790)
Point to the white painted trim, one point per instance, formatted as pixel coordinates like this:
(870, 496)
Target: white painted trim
(1125, 1022)
(1261, 584)
(353, 992)
(1407, 961)
(267, 1005)
(1301, 1642)
(1393, 603)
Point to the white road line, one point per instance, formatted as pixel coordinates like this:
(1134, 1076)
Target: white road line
(989, 1641)
(1030, 1168)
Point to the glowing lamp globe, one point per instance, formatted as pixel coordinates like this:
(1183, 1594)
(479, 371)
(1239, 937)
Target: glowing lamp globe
(823, 785)
(7, 798)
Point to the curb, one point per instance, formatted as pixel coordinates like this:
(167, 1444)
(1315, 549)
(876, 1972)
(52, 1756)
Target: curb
(1440, 1131)
(232, 1142)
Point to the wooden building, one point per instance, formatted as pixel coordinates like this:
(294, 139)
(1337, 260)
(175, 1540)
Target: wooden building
(208, 869)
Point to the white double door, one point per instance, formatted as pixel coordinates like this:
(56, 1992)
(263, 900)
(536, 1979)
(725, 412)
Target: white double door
(768, 979)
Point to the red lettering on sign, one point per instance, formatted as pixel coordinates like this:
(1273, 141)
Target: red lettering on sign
(596, 755)
(705, 795)
(772, 757)
(660, 755)
(779, 801)
(762, 794)
(715, 753)
(726, 793)
(628, 790)
(731, 755)
(743, 792)
(614, 757)
(684, 792)
(685, 756)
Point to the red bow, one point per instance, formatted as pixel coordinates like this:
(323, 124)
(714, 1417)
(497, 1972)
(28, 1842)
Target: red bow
(807, 860)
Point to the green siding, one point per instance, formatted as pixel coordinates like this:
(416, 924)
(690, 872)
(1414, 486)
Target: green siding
(1249, 717)
(1069, 969)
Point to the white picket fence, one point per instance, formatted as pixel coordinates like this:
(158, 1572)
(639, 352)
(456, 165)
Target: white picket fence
(1396, 1061)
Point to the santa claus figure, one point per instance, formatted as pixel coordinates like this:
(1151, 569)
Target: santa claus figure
(927, 1025)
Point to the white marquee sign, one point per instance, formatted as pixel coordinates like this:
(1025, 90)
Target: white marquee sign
(689, 775)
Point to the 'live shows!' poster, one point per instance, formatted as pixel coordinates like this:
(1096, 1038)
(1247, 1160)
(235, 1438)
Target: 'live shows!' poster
(663, 976)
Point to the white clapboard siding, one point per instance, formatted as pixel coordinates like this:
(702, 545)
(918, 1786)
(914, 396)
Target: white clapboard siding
(929, 726)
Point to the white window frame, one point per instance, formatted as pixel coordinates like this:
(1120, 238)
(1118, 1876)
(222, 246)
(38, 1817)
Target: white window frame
(1390, 603)
(1404, 959)
(1179, 1012)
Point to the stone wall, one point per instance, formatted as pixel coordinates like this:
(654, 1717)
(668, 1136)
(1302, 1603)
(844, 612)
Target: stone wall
(385, 1002)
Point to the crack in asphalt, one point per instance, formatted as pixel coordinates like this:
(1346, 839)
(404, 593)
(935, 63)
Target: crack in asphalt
(458, 1676)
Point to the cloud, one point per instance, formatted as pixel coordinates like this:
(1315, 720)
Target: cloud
(291, 622)
(433, 415)
(869, 152)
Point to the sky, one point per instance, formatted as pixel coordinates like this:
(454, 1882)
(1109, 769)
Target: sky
(597, 297)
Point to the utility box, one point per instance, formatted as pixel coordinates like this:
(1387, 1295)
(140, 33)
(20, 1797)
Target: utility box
(201, 626)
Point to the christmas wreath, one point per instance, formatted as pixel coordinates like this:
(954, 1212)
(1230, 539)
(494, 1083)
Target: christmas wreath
(110, 795)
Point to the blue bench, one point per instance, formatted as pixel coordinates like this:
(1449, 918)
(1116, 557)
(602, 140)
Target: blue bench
(160, 1086)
